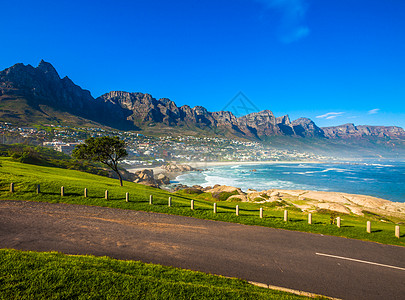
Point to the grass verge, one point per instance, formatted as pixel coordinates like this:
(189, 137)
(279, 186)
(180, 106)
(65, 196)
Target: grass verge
(51, 275)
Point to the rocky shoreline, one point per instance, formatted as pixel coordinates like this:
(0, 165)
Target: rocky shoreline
(160, 176)
(304, 200)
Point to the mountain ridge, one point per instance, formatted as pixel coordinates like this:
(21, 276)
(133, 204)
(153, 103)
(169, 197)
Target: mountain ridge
(28, 94)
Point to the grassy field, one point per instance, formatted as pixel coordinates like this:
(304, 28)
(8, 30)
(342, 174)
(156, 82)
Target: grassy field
(51, 275)
(26, 177)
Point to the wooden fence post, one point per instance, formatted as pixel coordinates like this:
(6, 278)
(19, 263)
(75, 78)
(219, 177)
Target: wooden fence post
(338, 222)
(85, 192)
(285, 216)
(150, 199)
(62, 191)
(309, 218)
(397, 231)
(261, 212)
(215, 208)
(126, 197)
(106, 195)
(368, 227)
(237, 210)
(169, 204)
(192, 204)
(12, 187)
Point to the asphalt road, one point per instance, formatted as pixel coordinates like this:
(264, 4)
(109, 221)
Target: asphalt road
(283, 258)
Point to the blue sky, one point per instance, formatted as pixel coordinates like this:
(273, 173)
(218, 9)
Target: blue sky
(334, 61)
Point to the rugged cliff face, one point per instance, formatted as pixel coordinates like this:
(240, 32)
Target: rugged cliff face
(43, 85)
(142, 108)
(29, 95)
(347, 131)
(307, 128)
(40, 92)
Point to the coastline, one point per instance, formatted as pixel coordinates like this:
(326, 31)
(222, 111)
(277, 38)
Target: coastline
(157, 171)
(232, 163)
(305, 199)
(199, 165)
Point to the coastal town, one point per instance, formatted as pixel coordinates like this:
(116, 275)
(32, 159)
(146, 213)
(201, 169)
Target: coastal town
(153, 150)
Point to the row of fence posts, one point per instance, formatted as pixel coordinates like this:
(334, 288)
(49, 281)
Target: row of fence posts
(338, 219)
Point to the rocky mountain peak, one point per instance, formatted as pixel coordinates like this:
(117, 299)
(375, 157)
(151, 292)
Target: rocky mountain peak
(307, 128)
(303, 121)
(48, 70)
(200, 110)
(349, 130)
(283, 120)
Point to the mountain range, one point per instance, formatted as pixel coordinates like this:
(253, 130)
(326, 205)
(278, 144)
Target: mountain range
(37, 95)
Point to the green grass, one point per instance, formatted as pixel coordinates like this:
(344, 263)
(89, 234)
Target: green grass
(26, 177)
(51, 275)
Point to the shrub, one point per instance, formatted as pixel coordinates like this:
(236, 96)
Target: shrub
(192, 191)
(277, 203)
(223, 196)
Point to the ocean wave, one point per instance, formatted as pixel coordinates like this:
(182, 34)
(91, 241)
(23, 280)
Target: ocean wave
(377, 165)
(369, 178)
(380, 165)
(211, 180)
(322, 171)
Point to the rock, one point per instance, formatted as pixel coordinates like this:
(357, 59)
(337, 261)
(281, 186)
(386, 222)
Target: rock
(178, 168)
(335, 201)
(162, 179)
(178, 187)
(224, 188)
(334, 207)
(145, 177)
(223, 192)
(199, 187)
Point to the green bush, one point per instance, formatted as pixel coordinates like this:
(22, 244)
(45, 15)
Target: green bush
(192, 191)
(277, 203)
(223, 196)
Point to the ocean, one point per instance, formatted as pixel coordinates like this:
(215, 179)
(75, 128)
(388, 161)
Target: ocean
(383, 180)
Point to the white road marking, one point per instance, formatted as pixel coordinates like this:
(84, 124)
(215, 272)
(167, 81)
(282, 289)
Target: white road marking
(361, 261)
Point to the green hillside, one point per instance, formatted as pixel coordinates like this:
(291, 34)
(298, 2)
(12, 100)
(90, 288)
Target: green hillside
(20, 111)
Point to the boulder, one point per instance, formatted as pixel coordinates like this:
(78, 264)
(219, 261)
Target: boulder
(145, 177)
(178, 168)
(162, 179)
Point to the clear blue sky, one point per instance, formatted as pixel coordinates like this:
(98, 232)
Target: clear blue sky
(334, 61)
